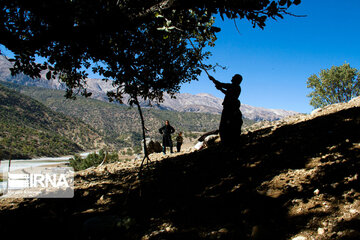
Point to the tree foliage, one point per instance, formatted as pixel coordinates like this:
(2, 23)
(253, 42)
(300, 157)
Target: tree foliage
(143, 46)
(335, 85)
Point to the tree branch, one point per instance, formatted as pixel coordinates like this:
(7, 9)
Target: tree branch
(165, 4)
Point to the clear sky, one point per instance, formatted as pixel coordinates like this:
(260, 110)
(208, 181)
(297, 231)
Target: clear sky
(277, 61)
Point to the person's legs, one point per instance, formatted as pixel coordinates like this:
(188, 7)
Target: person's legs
(170, 145)
(224, 126)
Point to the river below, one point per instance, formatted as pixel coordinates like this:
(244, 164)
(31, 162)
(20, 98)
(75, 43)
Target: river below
(35, 162)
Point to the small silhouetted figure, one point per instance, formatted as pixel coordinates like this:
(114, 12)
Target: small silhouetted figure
(179, 142)
(231, 117)
(166, 131)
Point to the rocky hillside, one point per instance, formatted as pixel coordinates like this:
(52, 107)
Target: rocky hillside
(120, 125)
(296, 179)
(30, 129)
(184, 102)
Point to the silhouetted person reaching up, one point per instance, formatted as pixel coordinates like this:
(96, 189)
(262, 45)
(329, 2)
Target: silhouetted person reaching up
(231, 117)
(166, 131)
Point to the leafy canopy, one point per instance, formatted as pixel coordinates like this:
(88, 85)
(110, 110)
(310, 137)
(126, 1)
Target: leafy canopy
(142, 46)
(335, 85)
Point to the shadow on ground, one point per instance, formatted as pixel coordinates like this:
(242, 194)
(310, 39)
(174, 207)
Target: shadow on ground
(211, 194)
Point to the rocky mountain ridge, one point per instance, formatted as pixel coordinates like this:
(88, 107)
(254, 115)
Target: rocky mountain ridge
(184, 102)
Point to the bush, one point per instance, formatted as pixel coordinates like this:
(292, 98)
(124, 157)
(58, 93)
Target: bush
(129, 152)
(138, 149)
(93, 159)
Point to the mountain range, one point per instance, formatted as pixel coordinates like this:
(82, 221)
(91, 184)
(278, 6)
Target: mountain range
(184, 102)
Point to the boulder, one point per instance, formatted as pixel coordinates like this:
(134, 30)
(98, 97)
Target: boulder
(152, 146)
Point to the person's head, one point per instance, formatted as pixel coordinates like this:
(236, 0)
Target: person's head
(236, 79)
(167, 122)
(180, 133)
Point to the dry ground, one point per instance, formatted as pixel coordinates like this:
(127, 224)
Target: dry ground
(295, 179)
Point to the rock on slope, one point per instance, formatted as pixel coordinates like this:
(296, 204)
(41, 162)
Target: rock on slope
(295, 179)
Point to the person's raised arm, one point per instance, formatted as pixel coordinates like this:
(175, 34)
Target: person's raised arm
(219, 84)
(221, 89)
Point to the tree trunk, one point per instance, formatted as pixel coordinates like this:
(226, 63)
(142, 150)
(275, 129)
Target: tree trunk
(146, 155)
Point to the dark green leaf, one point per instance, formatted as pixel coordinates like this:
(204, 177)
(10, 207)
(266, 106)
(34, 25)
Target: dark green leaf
(48, 75)
(282, 2)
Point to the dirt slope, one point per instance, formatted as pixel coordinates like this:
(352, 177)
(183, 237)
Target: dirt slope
(295, 179)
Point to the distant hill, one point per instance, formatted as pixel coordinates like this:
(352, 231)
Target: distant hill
(119, 124)
(29, 129)
(184, 102)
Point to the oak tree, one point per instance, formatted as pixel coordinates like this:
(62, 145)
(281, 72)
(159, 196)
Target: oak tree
(335, 85)
(145, 48)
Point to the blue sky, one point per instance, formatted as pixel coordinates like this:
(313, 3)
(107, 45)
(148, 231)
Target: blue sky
(277, 61)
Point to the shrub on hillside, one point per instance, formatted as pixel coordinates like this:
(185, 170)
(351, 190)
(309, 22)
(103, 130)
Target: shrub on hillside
(93, 159)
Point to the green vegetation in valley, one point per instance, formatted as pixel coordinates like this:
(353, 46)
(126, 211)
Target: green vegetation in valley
(93, 159)
(20, 141)
(30, 129)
